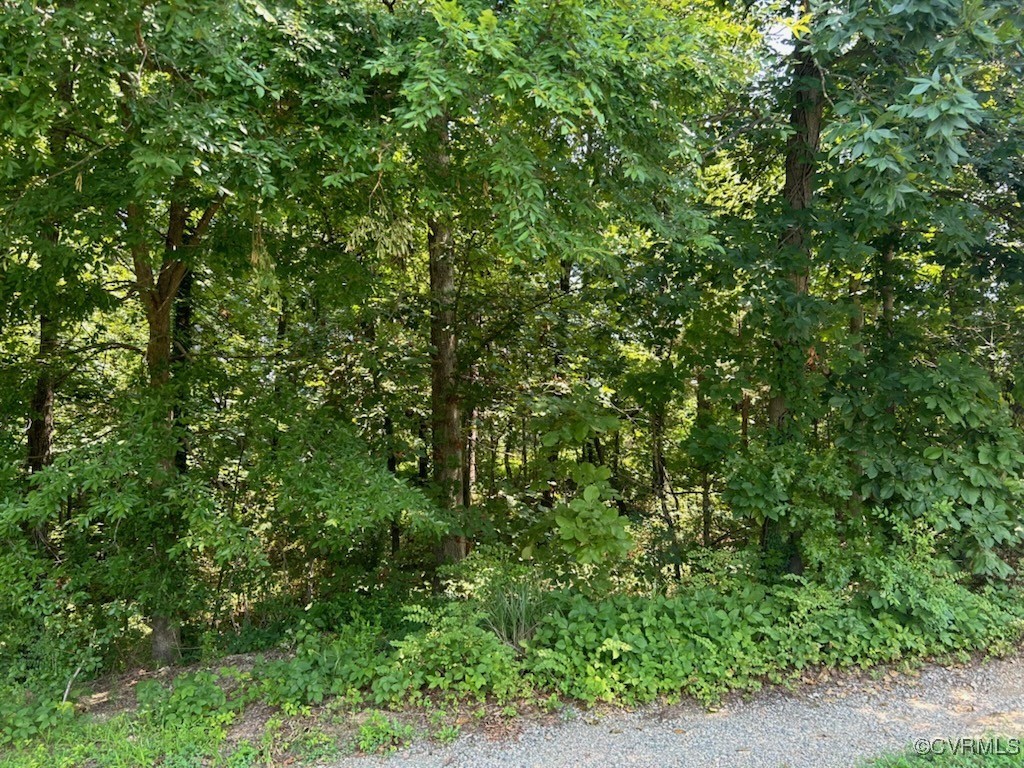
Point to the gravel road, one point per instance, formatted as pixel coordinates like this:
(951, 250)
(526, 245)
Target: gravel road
(832, 725)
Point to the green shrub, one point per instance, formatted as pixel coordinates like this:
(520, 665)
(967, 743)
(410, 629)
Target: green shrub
(380, 733)
(704, 642)
(323, 665)
(24, 716)
(193, 698)
(452, 654)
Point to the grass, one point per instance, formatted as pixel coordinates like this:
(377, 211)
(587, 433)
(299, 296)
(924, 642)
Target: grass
(986, 752)
(125, 742)
(192, 736)
(130, 740)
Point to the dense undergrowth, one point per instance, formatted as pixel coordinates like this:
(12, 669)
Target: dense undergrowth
(509, 641)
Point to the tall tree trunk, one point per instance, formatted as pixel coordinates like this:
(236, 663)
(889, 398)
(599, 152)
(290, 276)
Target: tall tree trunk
(704, 422)
(446, 445)
(659, 484)
(745, 420)
(181, 351)
(524, 457)
(158, 292)
(798, 192)
(423, 460)
(40, 426)
(389, 436)
(657, 452)
(886, 277)
(705, 505)
(508, 448)
(493, 440)
(446, 424)
(469, 459)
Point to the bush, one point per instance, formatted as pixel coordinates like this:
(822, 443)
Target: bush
(452, 654)
(382, 734)
(705, 643)
(323, 665)
(192, 699)
(512, 609)
(23, 716)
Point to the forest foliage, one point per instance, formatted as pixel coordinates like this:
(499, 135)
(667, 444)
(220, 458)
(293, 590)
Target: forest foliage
(605, 348)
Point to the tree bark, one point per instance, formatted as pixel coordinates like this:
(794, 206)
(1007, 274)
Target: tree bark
(423, 460)
(798, 191)
(446, 424)
(40, 427)
(181, 351)
(704, 421)
(469, 459)
(886, 279)
(389, 436)
(157, 293)
(798, 195)
(446, 445)
(659, 482)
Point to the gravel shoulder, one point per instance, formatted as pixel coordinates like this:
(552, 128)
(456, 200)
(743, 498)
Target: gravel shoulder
(832, 725)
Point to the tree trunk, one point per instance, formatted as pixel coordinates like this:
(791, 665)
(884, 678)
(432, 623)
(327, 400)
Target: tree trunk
(446, 445)
(469, 459)
(181, 351)
(704, 421)
(507, 449)
(745, 420)
(158, 298)
(158, 293)
(886, 279)
(705, 506)
(798, 192)
(40, 427)
(659, 484)
(165, 641)
(657, 453)
(523, 454)
(446, 425)
(389, 436)
(423, 460)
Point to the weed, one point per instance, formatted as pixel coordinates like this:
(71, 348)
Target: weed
(380, 733)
